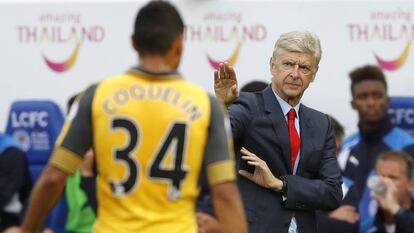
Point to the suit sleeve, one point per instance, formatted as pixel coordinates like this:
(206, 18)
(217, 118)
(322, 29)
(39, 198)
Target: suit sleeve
(324, 192)
(76, 136)
(240, 114)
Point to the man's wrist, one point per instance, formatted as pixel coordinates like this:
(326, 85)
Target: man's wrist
(222, 102)
(277, 185)
(397, 211)
(280, 185)
(284, 185)
(229, 102)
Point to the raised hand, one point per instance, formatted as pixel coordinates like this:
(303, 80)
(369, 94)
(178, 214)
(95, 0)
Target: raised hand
(225, 84)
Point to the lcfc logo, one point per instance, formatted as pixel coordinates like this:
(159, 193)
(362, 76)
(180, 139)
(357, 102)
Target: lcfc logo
(62, 30)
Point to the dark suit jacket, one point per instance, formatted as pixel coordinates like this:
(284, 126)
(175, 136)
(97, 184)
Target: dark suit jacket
(258, 124)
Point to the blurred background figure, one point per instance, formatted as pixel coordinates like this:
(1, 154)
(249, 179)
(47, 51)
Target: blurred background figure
(396, 213)
(254, 86)
(376, 135)
(81, 197)
(80, 189)
(339, 133)
(15, 182)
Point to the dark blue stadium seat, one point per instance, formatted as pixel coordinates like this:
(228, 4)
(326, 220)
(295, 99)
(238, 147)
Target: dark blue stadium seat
(36, 125)
(402, 113)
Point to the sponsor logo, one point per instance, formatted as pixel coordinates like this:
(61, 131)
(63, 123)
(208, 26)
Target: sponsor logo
(29, 119)
(396, 63)
(231, 60)
(402, 115)
(56, 32)
(383, 28)
(65, 65)
(23, 138)
(31, 130)
(224, 30)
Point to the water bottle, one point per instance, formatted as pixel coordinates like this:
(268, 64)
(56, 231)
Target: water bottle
(376, 185)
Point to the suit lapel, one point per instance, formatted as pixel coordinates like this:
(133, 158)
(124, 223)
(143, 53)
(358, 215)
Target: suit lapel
(306, 135)
(279, 124)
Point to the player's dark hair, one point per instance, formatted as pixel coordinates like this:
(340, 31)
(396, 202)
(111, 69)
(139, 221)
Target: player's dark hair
(156, 27)
(338, 128)
(368, 72)
(254, 86)
(402, 156)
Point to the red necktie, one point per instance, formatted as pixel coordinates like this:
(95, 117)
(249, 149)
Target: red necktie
(294, 137)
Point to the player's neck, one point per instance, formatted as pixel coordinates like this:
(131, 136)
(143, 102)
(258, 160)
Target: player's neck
(157, 64)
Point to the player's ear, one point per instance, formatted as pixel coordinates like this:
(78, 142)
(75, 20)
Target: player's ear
(134, 43)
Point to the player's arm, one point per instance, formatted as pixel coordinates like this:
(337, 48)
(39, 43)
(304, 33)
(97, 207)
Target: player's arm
(43, 198)
(219, 161)
(228, 206)
(74, 140)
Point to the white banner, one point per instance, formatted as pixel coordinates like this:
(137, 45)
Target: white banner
(52, 51)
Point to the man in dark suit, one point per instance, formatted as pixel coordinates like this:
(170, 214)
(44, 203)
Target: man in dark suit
(287, 160)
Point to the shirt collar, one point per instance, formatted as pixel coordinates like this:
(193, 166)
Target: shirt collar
(143, 71)
(285, 106)
(383, 128)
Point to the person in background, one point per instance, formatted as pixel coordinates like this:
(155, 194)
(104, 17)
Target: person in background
(376, 135)
(287, 160)
(152, 133)
(15, 182)
(339, 133)
(396, 213)
(254, 86)
(81, 203)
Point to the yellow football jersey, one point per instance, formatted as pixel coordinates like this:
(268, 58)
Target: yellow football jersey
(151, 134)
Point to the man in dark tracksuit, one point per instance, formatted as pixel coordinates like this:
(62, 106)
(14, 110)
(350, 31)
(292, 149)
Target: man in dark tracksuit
(15, 182)
(363, 148)
(376, 135)
(396, 205)
(403, 218)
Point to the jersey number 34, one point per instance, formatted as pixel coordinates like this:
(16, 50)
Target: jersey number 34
(173, 176)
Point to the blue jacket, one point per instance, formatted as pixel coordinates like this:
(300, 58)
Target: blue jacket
(358, 156)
